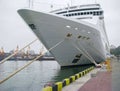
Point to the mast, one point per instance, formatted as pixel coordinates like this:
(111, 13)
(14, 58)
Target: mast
(30, 3)
(71, 2)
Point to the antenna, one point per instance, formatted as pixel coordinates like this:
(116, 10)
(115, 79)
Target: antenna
(71, 2)
(95, 1)
(68, 6)
(30, 3)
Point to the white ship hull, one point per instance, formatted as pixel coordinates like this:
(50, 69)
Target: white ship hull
(51, 29)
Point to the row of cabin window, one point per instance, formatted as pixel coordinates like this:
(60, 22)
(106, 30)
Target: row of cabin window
(85, 13)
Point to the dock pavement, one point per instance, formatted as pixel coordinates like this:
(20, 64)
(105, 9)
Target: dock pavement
(99, 79)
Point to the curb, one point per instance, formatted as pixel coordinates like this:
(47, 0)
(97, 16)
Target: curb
(59, 85)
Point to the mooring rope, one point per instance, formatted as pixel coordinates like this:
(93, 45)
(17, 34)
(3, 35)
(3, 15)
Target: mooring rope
(5, 59)
(96, 50)
(86, 54)
(19, 69)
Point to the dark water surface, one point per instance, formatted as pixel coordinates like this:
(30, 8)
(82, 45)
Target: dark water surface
(35, 76)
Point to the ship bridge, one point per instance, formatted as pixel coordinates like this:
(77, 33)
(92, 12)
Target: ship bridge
(80, 12)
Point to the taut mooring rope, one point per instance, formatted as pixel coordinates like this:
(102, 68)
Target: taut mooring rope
(18, 70)
(86, 54)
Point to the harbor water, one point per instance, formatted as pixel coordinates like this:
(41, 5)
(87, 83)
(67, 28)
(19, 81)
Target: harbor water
(35, 76)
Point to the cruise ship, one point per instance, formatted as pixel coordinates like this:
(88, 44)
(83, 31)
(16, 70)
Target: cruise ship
(77, 33)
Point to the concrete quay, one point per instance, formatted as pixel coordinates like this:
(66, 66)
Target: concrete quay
(75, 86)
(98, 79)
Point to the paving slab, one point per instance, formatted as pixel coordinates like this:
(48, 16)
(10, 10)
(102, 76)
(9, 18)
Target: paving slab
(102, 82)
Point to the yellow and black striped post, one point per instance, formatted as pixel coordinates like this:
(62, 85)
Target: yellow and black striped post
(77, 76)
(80, 74)
(66, 82)
(59, 85)
(72, 79)
(49, 88)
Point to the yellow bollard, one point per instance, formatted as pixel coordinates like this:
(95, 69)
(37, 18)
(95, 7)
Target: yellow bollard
(47, 88)
(86, 71)
(59, 84)
(67, 81)
(77, 76)
(81, 74)
(108, 63)
(73, 78)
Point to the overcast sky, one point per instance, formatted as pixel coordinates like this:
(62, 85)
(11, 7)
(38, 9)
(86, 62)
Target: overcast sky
(13, 31)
